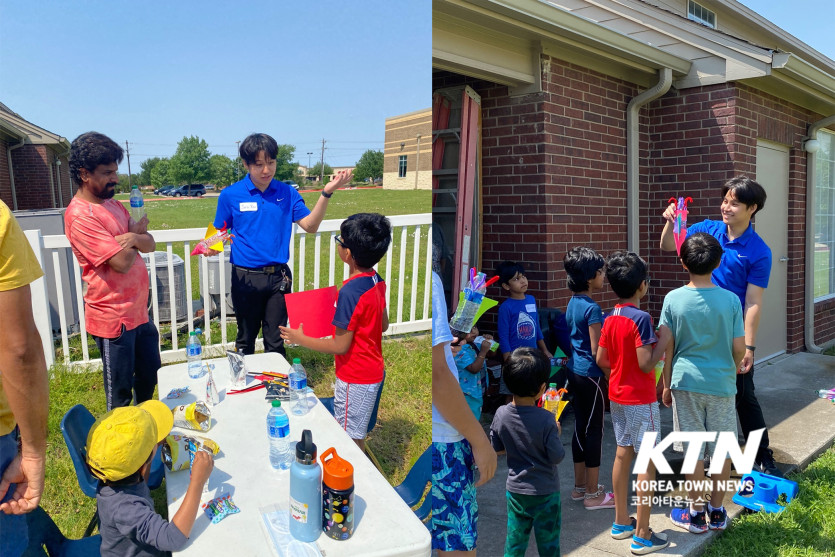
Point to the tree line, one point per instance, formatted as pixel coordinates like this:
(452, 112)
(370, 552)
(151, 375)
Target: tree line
(193, 163)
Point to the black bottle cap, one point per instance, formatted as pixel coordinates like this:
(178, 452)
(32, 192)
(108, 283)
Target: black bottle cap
(305, 449)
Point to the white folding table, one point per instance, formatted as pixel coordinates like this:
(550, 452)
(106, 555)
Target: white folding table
(384, 525)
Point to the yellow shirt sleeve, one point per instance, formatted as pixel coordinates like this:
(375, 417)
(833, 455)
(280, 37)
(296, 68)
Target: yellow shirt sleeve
(18, 265)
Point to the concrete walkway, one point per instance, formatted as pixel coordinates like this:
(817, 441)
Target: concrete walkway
(800, 427)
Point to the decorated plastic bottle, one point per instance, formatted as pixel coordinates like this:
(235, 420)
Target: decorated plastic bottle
(194, 354)
(551, 399)
(827, 394)
(464, 317)
(278, 430)
(305, 491)
(137, 204)
(337, 496)
(298, 389)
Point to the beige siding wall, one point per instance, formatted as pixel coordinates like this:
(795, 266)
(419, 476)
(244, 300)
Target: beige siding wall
(402, 139)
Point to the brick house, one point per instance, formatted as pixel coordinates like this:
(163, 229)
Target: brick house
(34, 173)
(572, 122)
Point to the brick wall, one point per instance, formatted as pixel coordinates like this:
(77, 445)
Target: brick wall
(698, 139)
(31, 177)
(554, 175)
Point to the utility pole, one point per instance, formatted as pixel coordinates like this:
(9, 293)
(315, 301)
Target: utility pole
(127, 151)
(237, 166)
(308, 163)
(322, 167)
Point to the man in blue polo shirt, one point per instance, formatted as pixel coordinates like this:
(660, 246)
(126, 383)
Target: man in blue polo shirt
(744, 270)
(260, 211)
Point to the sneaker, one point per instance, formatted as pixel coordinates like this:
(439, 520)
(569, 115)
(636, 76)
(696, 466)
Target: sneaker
(656, 542)
(683, 519)
(718, 519)
(765, 463)
(623, 531)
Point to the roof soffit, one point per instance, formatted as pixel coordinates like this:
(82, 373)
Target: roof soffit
(503, 30)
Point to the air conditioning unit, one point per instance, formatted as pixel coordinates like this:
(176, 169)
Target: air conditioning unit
(164, 289)
(213, 265)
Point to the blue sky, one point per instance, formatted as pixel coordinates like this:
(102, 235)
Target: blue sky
(153, 72)
(808, 20)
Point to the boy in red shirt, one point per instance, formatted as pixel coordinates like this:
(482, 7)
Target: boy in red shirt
(627, 354)
(359, 323)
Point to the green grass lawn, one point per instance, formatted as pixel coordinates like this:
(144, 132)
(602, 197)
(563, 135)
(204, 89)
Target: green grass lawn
(403, 431)
(805, 528)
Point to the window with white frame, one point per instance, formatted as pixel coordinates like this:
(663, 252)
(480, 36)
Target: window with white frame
(401, 171)
(824, 280)
(700, 14)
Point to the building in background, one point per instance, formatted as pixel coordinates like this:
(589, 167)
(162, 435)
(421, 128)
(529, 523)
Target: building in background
(407, 155)
(572, 122)
(34, 173)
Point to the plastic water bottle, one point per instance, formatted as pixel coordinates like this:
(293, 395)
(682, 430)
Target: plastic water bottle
(137, 204)
(194, 353)
(305, 491)
(298, 388)
(278, 429)
(551, 399)
(827, 394)
(480, 340)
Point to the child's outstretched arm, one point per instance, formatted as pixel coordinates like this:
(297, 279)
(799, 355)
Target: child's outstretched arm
(667, 374)
(648, 355)
(478, 363)
(187, 513)
(340, 343)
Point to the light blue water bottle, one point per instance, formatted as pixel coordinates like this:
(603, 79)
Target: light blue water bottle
(194, 354)
(278, 430)
(305, 491)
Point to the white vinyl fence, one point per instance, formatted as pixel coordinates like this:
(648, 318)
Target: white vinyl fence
(407, 278)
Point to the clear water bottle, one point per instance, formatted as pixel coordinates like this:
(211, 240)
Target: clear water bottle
(137, 204)
(298, 388)
(194, 354)
(278, 430)
(464, 317)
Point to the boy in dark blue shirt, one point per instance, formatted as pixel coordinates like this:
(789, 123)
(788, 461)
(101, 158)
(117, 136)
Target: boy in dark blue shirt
(518, 322)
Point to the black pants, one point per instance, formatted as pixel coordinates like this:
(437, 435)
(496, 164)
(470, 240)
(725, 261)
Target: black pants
(748, 408)
(259, 305)
(589, 402)
(129, 365)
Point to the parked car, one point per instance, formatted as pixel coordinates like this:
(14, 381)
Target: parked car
(192, 190)
(292, 184)
(164, 190)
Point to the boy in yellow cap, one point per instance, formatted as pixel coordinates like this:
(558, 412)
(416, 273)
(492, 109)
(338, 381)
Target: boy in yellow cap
(120, 447)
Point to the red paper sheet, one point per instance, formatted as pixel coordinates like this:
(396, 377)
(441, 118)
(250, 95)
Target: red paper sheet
(314, 309)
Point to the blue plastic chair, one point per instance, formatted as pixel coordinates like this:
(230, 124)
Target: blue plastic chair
(45, 539)
(414, 485)
(75, 425)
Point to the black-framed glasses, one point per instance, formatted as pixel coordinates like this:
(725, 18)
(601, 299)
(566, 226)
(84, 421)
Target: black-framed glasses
(338, 240)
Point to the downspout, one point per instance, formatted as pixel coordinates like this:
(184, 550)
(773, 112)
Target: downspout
(52, 181)
(811, 171)
(11, 172)
(58, 174)
(665, 80)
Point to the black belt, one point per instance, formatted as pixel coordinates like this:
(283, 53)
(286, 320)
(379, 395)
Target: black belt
(268, 270)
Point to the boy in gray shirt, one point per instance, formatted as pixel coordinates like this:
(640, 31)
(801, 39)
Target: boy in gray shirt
(120, 447)
(531, 438)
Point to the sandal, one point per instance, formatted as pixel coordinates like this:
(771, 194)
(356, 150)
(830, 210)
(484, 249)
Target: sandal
(607, 503)
(582, 492)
